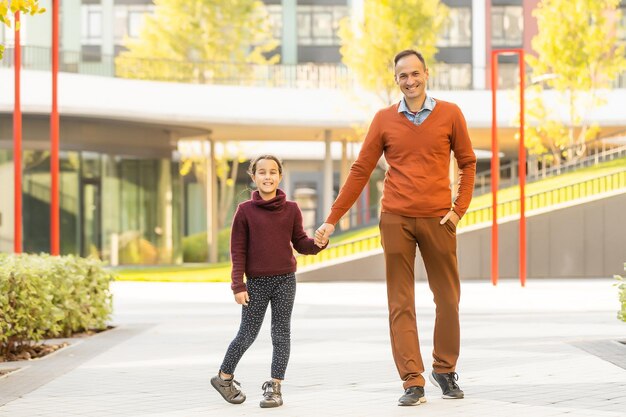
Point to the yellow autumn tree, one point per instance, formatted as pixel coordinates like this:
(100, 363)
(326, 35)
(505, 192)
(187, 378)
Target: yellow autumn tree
(368, 44)
(199, 41)
(578, 55)
(8, 8)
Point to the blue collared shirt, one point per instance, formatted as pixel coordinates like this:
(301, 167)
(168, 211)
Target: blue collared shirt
(419, 117)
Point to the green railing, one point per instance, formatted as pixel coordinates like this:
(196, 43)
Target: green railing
(583, 189)
(340, 250)
(571, 192)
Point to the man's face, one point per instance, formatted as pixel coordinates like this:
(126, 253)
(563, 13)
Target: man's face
(411, 76)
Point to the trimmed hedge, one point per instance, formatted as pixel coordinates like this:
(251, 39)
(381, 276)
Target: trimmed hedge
(51, 296)
(196, 249)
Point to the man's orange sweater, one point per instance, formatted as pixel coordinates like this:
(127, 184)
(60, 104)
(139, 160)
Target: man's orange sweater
(417, 183)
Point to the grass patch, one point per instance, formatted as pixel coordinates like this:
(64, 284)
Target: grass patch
(551, 183)
(179, 273)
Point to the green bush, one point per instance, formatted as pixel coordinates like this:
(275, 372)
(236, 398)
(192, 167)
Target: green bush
(49, 296)
(621, 286)
(196, 249)
(136, 250)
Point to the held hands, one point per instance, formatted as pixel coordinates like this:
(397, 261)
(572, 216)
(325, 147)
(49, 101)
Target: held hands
(452, 216)
(322, 234)
(242, 298)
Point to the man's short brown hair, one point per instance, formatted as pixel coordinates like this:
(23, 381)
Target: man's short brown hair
(408, 52)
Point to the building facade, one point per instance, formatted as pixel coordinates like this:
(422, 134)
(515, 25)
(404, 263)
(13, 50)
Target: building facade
(93, 32)
(125, 196)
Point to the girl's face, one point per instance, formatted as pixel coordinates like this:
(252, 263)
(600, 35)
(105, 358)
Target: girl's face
(267, 177)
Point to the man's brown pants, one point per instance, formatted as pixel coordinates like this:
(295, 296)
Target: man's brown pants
(437, 243)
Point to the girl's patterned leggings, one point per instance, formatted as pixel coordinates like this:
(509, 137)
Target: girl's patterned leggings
(280, 291)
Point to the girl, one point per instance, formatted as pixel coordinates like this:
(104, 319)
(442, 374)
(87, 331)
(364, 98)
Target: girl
(263, 232)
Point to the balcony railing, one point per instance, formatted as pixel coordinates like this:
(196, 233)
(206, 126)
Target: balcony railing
(333, 76)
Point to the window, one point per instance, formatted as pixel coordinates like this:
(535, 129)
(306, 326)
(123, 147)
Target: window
(128, 20)
(8, 33)
(275, 12)
(508, 76)
(318, 25)
(620, 81)
(451, 77)
(119, 25)
(135, 20)
(621, 25)
(457, 30)
(91, 53)
(92, 24)
(507, 25)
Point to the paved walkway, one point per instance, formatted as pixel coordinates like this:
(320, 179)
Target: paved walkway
(546, 350)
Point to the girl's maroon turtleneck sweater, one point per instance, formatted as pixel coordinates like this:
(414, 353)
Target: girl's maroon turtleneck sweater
(262, 236)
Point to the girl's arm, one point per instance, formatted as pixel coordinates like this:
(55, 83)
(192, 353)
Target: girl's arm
(238, 250)
(301, 242)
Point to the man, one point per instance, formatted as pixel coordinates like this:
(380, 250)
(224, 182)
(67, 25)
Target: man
(416, 136)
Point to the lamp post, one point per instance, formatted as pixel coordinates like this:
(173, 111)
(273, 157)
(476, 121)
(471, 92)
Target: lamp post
(495, 167)
(17, 142)
(54, 137)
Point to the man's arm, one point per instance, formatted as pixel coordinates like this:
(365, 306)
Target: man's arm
(360, 172)
(301, 242)
(466, 159)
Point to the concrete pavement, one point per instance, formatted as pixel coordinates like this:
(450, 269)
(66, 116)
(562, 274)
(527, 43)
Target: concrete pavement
(550, 349)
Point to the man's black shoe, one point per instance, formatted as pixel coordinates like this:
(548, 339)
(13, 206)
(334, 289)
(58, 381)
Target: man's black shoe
(412, 396)
(448, 385)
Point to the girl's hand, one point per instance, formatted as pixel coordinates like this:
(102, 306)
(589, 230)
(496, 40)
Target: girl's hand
(322, 234)
(242, 298)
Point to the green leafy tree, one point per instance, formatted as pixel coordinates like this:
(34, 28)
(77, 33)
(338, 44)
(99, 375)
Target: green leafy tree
(8, 9)
(577, 54)
(389, 26)
(199, 41)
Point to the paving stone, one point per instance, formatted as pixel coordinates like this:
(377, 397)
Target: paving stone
(534, 351)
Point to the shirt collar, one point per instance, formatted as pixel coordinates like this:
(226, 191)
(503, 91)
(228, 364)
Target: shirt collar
(429, 104)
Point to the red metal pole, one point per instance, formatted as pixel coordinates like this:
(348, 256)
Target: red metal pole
(54, 137)
(522, 175)
(17, 142)
(495, 170)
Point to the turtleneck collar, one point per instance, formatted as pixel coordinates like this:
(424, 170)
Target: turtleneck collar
(275, 203)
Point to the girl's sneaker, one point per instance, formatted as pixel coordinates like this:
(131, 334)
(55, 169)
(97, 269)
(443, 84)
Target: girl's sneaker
(229, 389)
(272, 396)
